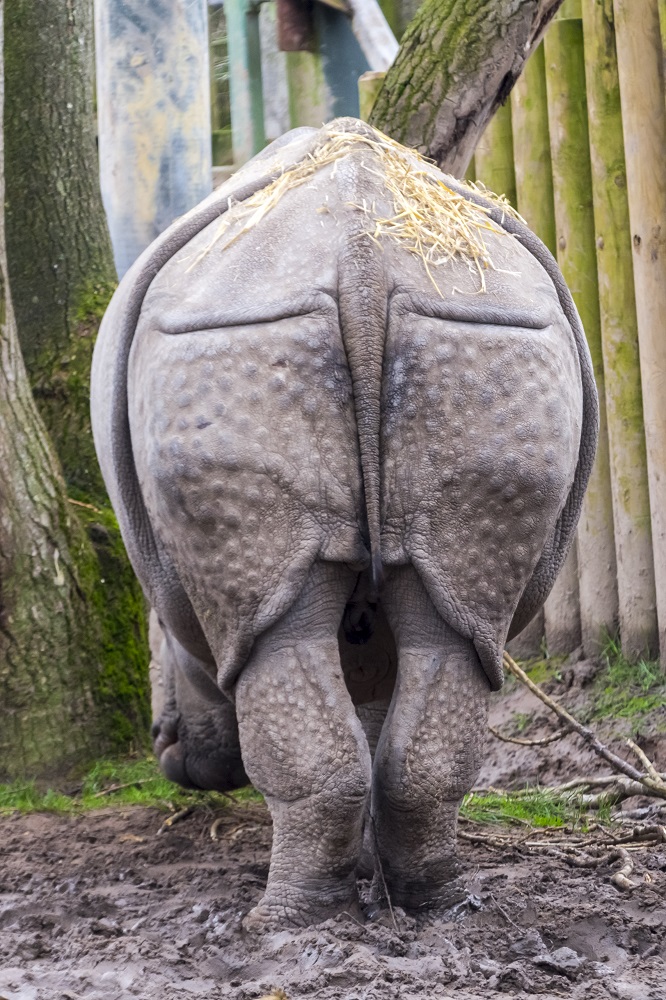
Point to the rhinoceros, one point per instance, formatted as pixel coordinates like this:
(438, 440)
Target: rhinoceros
(346, 416)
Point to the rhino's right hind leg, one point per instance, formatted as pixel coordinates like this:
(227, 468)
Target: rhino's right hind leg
(305, 750)
(430, 748)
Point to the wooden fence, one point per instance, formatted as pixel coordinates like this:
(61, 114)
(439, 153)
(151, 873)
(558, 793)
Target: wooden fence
(580, 150)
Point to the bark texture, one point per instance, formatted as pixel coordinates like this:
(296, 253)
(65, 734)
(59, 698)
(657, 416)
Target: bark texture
(59, 253)
(70, 685)
(458, 61)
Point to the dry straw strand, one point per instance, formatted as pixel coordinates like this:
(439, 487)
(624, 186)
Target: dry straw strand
(429, 218)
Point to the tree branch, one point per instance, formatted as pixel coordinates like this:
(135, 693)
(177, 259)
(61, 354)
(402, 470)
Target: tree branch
(458, 61)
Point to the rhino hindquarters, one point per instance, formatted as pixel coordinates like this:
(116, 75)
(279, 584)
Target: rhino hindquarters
(487, 405)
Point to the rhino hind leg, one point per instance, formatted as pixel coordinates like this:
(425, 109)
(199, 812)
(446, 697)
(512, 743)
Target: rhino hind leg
(305, 750)
(430, 749)
(195, 732)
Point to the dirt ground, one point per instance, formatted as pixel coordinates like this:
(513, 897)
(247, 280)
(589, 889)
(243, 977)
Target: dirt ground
(99, 906)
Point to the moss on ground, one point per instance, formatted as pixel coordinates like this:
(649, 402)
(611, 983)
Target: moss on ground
(139, 782)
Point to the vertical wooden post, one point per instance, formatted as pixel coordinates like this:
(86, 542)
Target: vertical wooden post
(572, 188)
(619, 336)
(273, 75)
(531, 144)
(245, 86)
(662, 28)
(369, 85)
(493, 155)
(534, 192)
(153, 101)
(641, 69)
(309, 99)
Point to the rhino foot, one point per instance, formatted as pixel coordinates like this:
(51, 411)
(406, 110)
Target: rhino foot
(287, 905)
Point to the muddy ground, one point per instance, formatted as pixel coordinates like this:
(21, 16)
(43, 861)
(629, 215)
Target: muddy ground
(99, 906)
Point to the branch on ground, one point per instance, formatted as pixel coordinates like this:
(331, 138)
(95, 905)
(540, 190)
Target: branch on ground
(650, 782)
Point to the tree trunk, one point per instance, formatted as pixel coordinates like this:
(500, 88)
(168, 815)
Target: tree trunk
(457, 63)
(59, 254)
(72, 684)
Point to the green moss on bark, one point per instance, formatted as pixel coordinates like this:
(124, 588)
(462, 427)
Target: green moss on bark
(61, 387)
(121, 686)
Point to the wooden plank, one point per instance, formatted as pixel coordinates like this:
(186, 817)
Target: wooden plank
(531, 144)
(641, 70)
(534, 192)
(619, 337)
(369, 85)
(572, 189)
(493, 155)
(153, 103)
(309, 98)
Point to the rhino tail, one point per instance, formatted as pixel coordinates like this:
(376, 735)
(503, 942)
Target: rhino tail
(363, 316)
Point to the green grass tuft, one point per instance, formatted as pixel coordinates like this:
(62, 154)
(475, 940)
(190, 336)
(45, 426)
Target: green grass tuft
(144, 785)
(626, 690)
(530, 806)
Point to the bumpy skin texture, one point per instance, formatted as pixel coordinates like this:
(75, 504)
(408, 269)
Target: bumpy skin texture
(280, 418)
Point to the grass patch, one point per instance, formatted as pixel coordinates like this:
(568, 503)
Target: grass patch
(539, 670)
(140, 783)
(626, 690)
(530, 806)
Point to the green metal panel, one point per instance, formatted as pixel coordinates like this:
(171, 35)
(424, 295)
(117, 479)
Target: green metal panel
(245, 84)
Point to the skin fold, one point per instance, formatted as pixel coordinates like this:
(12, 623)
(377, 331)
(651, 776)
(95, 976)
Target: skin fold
(342, 484)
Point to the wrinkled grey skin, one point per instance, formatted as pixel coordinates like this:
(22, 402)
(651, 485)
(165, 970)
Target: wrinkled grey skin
(297, 416)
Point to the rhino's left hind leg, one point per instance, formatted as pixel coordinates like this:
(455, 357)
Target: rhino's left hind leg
(430, 749)
(304, 748)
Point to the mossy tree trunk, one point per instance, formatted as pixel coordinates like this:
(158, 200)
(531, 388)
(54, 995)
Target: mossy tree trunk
(457, 63)
(71, 686)
(59, 253)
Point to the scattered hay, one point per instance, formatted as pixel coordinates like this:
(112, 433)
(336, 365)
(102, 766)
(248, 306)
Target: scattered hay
(429, 219)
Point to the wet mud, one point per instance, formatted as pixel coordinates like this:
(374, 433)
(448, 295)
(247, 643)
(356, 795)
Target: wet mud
(99, 906)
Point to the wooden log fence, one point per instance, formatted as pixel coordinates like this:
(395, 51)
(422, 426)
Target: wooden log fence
(587, 122)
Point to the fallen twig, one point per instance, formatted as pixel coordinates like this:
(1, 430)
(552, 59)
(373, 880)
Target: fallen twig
(651, 780)
(118, 788)
(504, 914)
(176, 818)
(215, 826)
(528, 743)
(621, 879)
